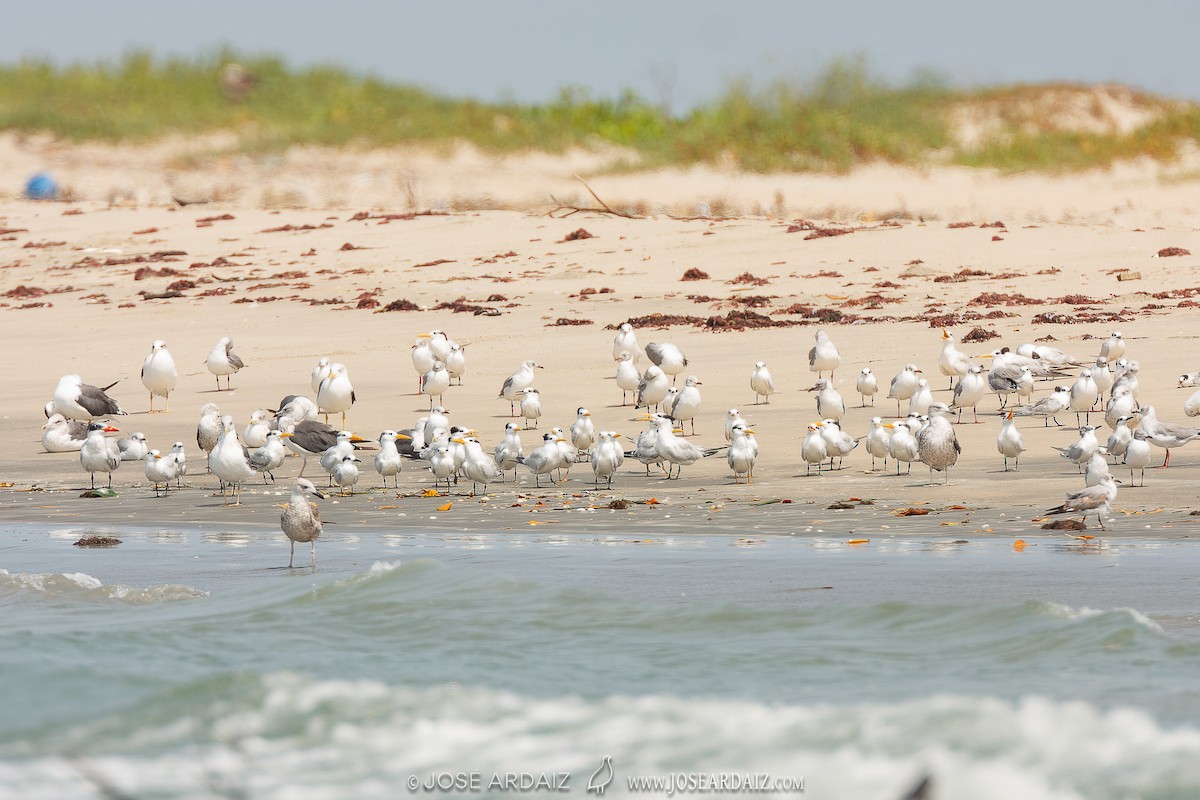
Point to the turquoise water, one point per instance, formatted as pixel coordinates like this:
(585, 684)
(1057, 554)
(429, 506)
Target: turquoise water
(187, 664)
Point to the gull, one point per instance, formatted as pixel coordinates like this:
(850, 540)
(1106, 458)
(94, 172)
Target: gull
(625, 342)
(159, 470)
(645, 448)
(438, 418)
(159, 375)
(1191, 406)
(829, 400)
(1165, 434)
(674, 450)
(345, 474)
(478, 466)
(229, 461)
(583, 430)
(1128, 379)
(1025, 385)
(813, 449)
(732, 417)
(98, 453)
(441, 464)
(61, 436)
(223, 361)
(569, 454)
(422, 360)
(823, 356)
(1113, 347)
(667, 357)
(435, 382)
(1009, 442)
(412, 439)
(440, 343)
(903, 445)
(343, 445)
(606, 457)
(387, 460)
(761, 383)
(1083, 449)
(1048, 407)
(970, 390)
(937, 444)
(133, 447)
(179, 462)
(254, 435)
(319, 373)
(298, 407)
(336, 394)
(544, 459)
(208, 430)
(75, 399)
(687, 402)
(1118, 441)
(1051, 355)
(1121, 404)
(628, 376)
(301, 522)
(904, 385)
(652, 389)
(456, 362)
(1096, 469)
(922, 398)
(952, 362)
(531, 405)
(838, 443)
(269, 456)
(1042, 369)
(1004, 379)
(517, 383)
(742, 454)
(878, 439)
(1102, 377)
(1137, 456)
(1189, 379)
(867, 386)
(308, 437)
(1084, 396)
(508, 453)
(1092, 500)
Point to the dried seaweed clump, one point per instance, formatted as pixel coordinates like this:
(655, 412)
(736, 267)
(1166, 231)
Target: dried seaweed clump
(978, 334)
(694, 274)
(1167, 252)
(400, 305)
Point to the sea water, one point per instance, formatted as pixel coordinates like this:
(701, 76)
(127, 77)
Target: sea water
(189, 663)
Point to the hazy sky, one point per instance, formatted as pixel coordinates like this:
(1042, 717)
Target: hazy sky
(681, 52)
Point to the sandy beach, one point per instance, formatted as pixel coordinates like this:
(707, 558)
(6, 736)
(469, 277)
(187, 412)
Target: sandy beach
(290, 285)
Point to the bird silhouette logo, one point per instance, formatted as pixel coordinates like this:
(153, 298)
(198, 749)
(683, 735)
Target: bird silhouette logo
(602, 777)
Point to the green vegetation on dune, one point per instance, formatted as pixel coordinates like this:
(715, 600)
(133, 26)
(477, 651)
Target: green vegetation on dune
(842, 118)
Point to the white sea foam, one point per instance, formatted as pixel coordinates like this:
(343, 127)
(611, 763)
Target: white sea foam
(1086, 612)
(303, 738)
(79, 586)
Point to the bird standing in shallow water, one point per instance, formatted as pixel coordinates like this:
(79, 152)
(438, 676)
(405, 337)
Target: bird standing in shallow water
(301, 522)
(1092, 500)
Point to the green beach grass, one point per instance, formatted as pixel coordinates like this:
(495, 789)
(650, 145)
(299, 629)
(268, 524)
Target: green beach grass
(842, 118)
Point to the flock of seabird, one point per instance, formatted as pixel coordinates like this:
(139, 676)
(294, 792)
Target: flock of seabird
(80, 419)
